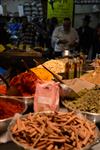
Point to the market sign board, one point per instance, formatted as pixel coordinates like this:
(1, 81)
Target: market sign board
(60, 9)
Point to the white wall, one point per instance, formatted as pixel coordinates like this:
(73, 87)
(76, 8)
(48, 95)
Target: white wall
(11, 5)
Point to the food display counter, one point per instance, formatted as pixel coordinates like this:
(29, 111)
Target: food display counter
(33, 81)
(19, 53)
(11, 57)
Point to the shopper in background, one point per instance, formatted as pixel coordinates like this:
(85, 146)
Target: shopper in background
(52, 23)
(27, 34)
(64, 37)
(96, 48)
(4, 35)
(86, 36)
(13, 28)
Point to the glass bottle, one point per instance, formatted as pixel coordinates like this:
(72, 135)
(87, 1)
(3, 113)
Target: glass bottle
(75, 68)
(67, 68)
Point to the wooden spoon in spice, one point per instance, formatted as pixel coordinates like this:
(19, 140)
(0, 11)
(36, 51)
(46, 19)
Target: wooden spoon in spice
(11, 90)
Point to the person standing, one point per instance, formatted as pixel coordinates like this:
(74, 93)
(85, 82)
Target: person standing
(86, 34)
(96, 43)
(4, 35)
(28, 35)
(64, 37)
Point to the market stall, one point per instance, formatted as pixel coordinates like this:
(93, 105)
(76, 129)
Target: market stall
(47, 94)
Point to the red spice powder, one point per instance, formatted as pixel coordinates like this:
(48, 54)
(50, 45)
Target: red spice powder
(9, 107)
(3, 89)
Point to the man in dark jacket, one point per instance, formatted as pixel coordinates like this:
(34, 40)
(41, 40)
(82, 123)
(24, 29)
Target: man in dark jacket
(4, 36)
(96, 48)
(85, 35)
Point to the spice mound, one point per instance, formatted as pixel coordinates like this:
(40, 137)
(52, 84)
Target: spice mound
(42, 73)
(93, 77)
(3, 89)
(56, 66)
(8, 107)
(78, 84)
(54, 130)
(89, 101)
(25, 83)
